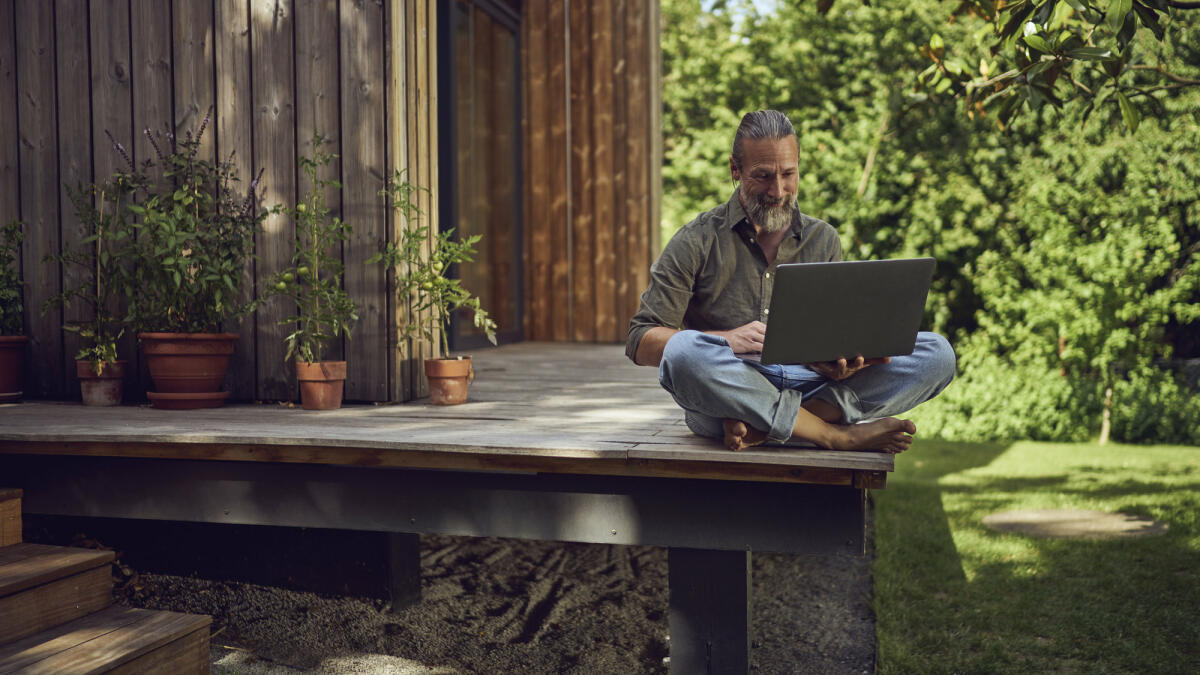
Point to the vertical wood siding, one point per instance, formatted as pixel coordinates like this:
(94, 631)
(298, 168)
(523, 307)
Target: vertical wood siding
(364, 75)
(71, 73)
(592, 164)
(234, 135)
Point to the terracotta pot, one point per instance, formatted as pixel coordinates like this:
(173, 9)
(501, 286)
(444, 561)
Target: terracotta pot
(449, 380)
(188, 369)
(321, 384)
(12, 367)
(101, 389)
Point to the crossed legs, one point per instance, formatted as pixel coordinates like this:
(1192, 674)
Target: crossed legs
(747, 403)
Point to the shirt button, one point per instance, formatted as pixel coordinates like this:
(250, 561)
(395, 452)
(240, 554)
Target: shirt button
(766, 311)
(767, 275)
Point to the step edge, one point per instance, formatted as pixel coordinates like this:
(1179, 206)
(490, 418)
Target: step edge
(134, 621)
(58, 562)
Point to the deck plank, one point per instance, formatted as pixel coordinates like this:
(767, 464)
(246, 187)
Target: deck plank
(565, 408)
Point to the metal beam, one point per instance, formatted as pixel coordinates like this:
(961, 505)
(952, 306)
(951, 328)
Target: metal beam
(685, 513)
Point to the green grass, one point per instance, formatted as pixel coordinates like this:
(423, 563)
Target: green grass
(952, 596)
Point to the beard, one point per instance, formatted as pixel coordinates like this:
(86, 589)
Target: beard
(770, 216)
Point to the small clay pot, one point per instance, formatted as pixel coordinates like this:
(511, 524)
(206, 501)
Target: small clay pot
(449, 380)
(321, 384)
(103, 388)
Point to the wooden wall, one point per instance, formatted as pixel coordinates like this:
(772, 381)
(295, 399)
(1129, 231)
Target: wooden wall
(593, 139)
(363, 74)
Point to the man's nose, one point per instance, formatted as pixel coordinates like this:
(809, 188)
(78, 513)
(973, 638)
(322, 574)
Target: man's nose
(776, 189)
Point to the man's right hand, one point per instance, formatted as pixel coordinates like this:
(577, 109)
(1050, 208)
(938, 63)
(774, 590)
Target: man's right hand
(745, 339)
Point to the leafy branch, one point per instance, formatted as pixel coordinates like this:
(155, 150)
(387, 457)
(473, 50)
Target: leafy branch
(324, 309)
(423, 276)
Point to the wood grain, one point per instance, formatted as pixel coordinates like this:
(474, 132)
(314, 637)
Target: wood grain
(274, 121)
(24, 566)
(36, 609)
(398, 364)
(74, 163)
(10, 179)
(550, 407)
(117, 640)
(318, 108)
(363, 166)
(10, 520)
(231, 38)
(608, 326)
(192, 44)
(112, 114)
(582, 223)
(36, 98)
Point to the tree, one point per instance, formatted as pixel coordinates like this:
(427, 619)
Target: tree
(1123, 56)
(1055, 225)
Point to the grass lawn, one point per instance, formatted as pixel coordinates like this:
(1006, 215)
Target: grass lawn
(954, 597)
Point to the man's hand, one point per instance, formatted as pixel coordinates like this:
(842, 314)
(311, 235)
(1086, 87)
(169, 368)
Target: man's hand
(745, 339)
(842, 369)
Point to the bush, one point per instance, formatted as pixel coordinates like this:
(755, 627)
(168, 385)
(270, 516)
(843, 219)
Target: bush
(1154, 406)
(995, 400)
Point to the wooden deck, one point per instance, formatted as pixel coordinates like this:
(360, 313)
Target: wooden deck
(534, 407)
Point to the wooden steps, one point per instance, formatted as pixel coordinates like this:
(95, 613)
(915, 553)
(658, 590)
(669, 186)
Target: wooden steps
(43, 586)
(55, 614)
(114, 640)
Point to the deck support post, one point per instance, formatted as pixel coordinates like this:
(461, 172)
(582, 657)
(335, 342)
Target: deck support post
(710, 610)
(404, 569)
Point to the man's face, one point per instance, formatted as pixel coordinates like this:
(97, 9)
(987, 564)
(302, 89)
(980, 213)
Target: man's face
(769, 178)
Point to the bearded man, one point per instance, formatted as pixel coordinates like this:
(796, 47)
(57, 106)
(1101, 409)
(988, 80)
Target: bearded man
(707, 305)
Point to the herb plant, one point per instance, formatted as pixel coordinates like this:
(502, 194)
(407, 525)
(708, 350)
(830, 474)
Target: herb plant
(314, 281)
(193, 238)
(421, 265)
(98, 257)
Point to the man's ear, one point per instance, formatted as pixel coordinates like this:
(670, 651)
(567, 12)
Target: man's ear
(733, 170)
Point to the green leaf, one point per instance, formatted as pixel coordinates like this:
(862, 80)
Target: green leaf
(1090, 53)
(1129, 114)
(1115, 14)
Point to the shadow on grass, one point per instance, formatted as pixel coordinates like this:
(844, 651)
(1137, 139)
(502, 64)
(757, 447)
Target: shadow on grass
(952, 596)
(923, 580)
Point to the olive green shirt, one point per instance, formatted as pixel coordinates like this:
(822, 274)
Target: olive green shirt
(713, 275)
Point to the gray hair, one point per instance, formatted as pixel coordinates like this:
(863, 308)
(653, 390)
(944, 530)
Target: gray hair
(770, 124)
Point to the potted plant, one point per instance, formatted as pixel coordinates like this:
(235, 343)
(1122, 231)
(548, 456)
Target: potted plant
(192, 238)
(12, 315)
(421, 266)
(98, 258)
(324, 309)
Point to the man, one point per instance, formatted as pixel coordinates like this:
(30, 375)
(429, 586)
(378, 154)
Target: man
(708, 300)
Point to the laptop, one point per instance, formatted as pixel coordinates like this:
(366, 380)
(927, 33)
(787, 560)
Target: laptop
(827, 311)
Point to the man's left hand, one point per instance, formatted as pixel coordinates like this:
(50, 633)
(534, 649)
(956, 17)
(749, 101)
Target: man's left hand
(842, 368)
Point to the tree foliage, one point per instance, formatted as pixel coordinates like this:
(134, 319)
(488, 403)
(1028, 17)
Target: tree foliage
(1067, 249)
(1123, 56)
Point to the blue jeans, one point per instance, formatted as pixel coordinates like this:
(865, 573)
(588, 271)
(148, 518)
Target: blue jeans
(712, 384)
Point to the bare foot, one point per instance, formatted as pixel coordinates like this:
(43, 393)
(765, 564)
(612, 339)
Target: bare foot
(739, 435)
(886, 435)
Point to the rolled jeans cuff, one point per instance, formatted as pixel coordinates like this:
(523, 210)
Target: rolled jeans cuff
(783, 422)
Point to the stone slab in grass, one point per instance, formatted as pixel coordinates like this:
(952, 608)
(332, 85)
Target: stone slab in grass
(1072, 524)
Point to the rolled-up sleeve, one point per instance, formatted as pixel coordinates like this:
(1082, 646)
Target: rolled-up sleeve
(665, 300)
